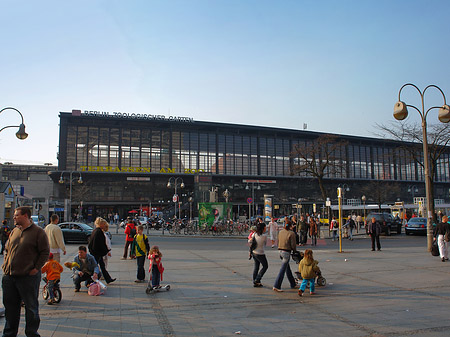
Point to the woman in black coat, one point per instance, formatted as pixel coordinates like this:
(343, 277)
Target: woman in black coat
(98, 248)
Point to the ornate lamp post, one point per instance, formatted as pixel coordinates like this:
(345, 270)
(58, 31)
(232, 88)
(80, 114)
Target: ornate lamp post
(61, 181)
(190, 200)
(21, 134)
(363, 198)
(400, 113)
(226, 195)
(345, 188)
(175, 182)
(413, 190)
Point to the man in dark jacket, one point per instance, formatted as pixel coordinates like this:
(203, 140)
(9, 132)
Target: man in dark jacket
(98, 248)
(27, 250)
(303, 227)
(374, 231)
(439, 234)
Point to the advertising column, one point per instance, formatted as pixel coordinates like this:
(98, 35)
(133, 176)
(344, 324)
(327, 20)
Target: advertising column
(268, 200)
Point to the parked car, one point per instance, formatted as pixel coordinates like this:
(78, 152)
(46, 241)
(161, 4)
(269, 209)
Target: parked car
(76, 231)
(107, 233)
(144, 221)
(417, 226)
(38, 220)
(387, 222)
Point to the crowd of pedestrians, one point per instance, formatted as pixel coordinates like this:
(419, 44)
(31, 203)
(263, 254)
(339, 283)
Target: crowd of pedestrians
(30, 251)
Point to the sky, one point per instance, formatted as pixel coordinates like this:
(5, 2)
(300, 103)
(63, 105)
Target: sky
(335, 65)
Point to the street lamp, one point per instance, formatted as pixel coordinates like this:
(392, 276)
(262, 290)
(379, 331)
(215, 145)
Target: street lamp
(345, 188)
(190, 200)
(299, 207)
(413, 190)
(363, 198)
(175, 182)
(226, 194)
(400, 113)
(21, 134)
(252, 205)
(61, 181)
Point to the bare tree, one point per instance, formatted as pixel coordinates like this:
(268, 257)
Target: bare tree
(381, 191)
(438, 136)
(320, 158)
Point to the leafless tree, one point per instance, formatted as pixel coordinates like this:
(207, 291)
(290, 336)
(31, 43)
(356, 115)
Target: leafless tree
(438, 138)
(380, 191)
(320, 158)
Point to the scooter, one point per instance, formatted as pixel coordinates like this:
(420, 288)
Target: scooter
(152, 290)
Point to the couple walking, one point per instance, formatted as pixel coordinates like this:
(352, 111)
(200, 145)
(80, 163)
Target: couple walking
(286, 245)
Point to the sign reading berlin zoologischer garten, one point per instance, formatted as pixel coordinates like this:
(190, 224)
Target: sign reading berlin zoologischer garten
(132, 169)
(128, 115)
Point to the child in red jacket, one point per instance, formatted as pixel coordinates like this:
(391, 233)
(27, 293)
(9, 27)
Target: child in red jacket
(53, 270)
(156, 269)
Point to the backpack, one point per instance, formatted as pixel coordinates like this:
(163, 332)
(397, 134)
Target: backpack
(132, 232)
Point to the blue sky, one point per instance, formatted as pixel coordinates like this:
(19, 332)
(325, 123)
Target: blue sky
(335, 65)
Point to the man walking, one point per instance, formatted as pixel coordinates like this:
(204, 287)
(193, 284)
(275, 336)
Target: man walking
(303, 226)
(27, 250)
(55, 238)
(286, 245)
(439, 234)
(374, 231)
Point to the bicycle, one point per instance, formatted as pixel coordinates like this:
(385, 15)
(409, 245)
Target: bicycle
(56, 291)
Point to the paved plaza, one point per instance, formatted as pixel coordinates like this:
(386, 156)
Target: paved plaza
(401, 290)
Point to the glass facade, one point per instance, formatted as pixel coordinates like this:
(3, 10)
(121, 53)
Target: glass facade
(264, 152)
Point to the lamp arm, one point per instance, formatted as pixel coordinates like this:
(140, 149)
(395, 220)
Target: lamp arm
(433, 107)
(412, 106)
(21, 116)
(412, 85)
(435, 86)
(9, 126)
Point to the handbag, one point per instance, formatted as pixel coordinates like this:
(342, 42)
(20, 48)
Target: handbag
(96, 289)
(447, 236)
(253, 245)
(435, 249)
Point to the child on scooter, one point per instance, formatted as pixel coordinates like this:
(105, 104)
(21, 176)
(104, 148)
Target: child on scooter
(308, 269)
(156, 268)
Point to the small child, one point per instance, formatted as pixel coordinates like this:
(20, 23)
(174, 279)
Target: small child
(53, 270)
(156, 269)
(140, 248)
(308, 269)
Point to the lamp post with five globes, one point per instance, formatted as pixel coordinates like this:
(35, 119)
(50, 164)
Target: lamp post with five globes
(400, 113)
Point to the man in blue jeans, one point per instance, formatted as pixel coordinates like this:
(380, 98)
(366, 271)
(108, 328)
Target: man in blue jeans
(27, 251)
(286, 245)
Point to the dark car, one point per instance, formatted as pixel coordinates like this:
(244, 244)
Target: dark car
(387, 222)
(76, 231)
(417, 226)
(108, 233)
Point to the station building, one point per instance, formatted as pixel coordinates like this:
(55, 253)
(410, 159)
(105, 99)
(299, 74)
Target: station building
(126, 161)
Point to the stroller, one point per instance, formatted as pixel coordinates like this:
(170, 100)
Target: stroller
(297, 257)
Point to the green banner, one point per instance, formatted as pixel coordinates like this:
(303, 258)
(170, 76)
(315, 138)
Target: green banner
(210, 212)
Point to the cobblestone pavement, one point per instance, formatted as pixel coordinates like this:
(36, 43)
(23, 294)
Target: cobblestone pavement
(401, 290)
